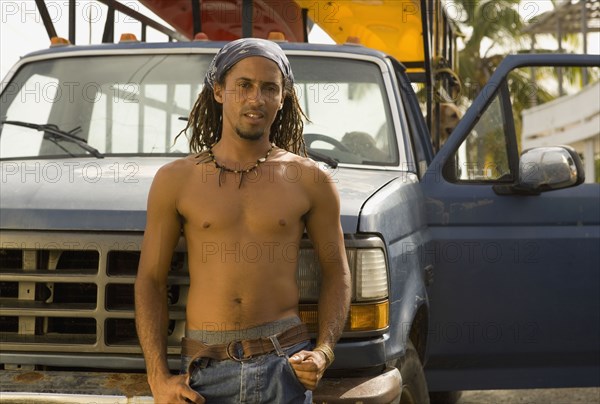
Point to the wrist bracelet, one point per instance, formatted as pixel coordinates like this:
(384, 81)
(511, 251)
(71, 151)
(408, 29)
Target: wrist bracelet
(327, 352)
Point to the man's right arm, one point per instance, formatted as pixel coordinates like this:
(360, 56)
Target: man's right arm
(151, 310)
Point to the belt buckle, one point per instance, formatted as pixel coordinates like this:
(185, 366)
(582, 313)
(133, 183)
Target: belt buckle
(229, 352)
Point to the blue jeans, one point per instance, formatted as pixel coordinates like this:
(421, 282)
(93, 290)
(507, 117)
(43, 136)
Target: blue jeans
(266, 378)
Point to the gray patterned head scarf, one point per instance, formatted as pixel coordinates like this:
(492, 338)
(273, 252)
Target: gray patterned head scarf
(242, 48)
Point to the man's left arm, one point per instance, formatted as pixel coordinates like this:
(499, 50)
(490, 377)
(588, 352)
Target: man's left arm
(325, 231)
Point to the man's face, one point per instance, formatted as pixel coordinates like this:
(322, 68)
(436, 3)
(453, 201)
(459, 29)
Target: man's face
(251, 96)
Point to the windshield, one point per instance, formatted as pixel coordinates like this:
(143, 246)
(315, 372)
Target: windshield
(138, 104)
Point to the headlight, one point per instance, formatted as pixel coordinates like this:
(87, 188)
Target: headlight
(369, 310)
(367, 267)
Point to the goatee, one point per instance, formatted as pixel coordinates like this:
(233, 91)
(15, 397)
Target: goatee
(249, 135)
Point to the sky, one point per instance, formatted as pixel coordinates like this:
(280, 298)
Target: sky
(22, 30)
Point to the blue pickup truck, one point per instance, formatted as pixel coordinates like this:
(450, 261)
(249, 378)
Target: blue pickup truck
(476, 268)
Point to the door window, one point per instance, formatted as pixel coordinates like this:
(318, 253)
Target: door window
(484, 156)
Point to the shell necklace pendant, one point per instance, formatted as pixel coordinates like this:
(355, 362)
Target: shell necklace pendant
(222, 168)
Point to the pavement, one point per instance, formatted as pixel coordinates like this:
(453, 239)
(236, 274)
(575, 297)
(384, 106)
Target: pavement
(533, 396)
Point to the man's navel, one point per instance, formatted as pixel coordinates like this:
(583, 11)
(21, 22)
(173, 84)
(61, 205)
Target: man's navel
(282, 222)
(205, 225)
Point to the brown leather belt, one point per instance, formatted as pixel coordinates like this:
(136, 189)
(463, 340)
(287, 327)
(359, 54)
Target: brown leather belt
(250, 348)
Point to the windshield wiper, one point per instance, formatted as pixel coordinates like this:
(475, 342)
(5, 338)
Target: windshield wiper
(322, 158)
(57, 132)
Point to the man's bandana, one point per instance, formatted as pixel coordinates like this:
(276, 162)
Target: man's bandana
(242, 48)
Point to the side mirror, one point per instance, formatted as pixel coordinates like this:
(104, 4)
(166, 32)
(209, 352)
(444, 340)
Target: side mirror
(544, 169)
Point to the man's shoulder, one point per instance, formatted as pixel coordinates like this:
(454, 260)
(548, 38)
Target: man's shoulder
(288, 157)
(180, 165)
(175, 171)
(312, 174)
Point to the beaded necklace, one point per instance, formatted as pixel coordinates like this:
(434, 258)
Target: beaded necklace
(226, 169)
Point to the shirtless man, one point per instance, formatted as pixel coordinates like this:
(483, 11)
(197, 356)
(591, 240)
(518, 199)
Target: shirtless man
(243, 201)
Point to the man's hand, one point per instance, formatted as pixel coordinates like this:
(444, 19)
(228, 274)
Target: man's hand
(175, 389)
(309, 367)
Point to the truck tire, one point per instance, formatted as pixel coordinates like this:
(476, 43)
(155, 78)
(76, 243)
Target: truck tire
(414, 385)
(445, 397)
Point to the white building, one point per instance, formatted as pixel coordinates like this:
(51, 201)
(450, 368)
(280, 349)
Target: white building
(572, 120)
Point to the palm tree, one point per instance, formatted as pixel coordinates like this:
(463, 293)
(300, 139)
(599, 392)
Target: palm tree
(495, 28)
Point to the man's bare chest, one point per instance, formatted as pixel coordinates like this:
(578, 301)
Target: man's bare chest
(260, 202)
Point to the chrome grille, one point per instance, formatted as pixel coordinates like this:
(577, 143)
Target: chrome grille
(73, 293)
(66, 299)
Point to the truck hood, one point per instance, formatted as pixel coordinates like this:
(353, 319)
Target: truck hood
(110, 194)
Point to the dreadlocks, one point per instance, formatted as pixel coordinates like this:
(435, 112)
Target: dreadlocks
(205, 120)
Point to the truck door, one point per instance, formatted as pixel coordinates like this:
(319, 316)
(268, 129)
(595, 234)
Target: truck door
(515, 297)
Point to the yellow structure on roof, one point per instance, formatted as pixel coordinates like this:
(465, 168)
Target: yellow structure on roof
(392, 26)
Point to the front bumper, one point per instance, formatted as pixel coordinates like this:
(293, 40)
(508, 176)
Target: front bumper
(384, 388)
(126, 388)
